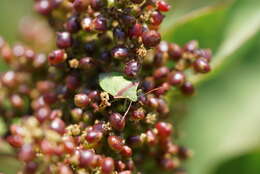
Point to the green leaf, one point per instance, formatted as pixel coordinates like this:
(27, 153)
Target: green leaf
(118, 86)
(224, 117)
(222, 28)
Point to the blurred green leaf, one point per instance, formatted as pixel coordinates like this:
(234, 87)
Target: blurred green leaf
(224, 119)
(118, 86)
(204, 25)
(244, 164)
(225, 28)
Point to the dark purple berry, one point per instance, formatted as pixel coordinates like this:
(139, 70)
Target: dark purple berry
(151, 38)
(64, 40)
(132, 68)
(176, 78)
(120, 52)
(107, 166)
(187, 88)
(117, 121)
(201, 65)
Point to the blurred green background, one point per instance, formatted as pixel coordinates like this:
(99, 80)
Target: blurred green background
(222, 125)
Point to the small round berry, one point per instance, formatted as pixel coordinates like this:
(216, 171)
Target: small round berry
(15, 141)
(161, 72)
(115, 143)
(175, 52)
(120, 52)
(201, 65)
(132, 68)
(26, 153)
(72, 81)
(126, 151)
(128, 20)
(165, 87)
(86, 24)
(157, 18)
(119, 35)
(65, 169)
(80, 5)
(205, 53)
(164, 129)
(87, 63)
(30, 167)
(187, 88)
(117, 121)
(136, 31)
(191, 46)
(148, 84)
(72, 24)
(167, 163)
(57, 57)
(93, 137)
(87, 158)
(98, 4)
(176, 78)
(42, 113)
(43, 7)
(58, 125)
(100, 24)
(68, 144)
(163, 108)
(107, 166)
(64, 40)
(151, 138)
(151, 38)
(81, 100)
(163, 6)
(138, 114)
(153, 102)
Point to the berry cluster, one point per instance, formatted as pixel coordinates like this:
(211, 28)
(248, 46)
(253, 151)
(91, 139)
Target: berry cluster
(68, 123)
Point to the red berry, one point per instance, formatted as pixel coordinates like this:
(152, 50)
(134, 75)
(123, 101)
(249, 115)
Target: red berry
(164, 129)
(151, 38)
(176, 78)
(136, 30)
(15, 141)
(81, 100)
(93, 137)
(87, 158)
(201, 65)
(187, 88)
(107, 166)
(117, 121)
(157, 18)
(64, 40)
(26, 153)
(43, 113)
(58, 125)
(115, 143)
(163, 6)
(138, 114)
(57, 57)
(126, 151)
(161, 72)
